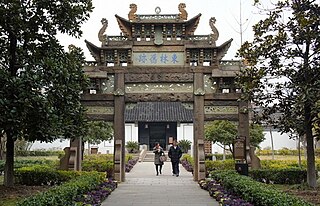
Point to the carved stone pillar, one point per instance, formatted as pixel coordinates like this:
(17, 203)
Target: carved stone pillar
(76, 153)
(198, 126)
(243, 128)
(119, 126)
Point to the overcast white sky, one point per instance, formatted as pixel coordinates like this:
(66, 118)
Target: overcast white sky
(226, 12)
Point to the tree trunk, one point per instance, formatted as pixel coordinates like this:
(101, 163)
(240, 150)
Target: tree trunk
(311, 170)
(272, 147)
(299, 150)
(8, 169)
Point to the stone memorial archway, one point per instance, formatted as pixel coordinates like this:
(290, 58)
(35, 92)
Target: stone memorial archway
(159, 59)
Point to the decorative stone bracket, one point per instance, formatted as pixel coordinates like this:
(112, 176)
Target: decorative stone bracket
(199, 92)
(118, 92)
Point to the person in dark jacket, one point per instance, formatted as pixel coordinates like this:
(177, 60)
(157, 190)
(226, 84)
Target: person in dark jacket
(158, 151)
(175, 154)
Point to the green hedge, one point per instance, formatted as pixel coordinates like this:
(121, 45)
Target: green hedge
(24, 153)
(280, 164)
(66, 193)
(284, 151)
(99, 163)
(280, 176)
(219, 165)
(43, 175)
(255, 192)
(265, 164)
(28, 163)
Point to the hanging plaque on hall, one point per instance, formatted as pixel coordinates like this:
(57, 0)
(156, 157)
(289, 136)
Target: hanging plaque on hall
(158, 58)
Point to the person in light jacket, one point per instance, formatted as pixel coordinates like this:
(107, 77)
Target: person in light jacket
(175, 154)
(158, 151)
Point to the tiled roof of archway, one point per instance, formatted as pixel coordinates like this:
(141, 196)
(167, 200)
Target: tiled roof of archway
(158, 112)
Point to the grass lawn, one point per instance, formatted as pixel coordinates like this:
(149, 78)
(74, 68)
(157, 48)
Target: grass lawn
(302, 191)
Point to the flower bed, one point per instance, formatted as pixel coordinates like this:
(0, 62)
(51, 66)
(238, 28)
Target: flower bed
(39, 175)
(224, 197)
(98, 195)
(187, 165)
(130, 164)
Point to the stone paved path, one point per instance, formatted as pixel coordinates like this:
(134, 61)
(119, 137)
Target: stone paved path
(142, 187)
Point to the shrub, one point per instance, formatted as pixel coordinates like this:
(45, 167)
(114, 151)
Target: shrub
(285, 151)
(43, 175)
(104, 163)
(220, 156)
(220, 165)
(185, 145)
(264, 152)
(281, 164)
(188, 158)
(25, 153)
(128, 157)
(66, 193)
(28, 163)
(98, 164)
(132, 146)
(280, 176)
(255, 192)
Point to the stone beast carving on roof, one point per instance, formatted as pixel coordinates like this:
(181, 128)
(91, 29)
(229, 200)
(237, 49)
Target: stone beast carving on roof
(132, 13)
(103, 37)
(183, 13)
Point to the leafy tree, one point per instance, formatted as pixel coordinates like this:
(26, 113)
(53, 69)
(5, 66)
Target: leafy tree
(22, 145)
(40, 83)
(225, 132)
(98, 131)
(282, 74)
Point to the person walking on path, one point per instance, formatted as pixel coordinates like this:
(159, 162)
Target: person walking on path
(158, 152)
(175, 154)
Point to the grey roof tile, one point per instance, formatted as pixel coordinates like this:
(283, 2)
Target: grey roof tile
(159, 112)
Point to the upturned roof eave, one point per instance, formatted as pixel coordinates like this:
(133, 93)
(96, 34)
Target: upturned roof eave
(126, 25)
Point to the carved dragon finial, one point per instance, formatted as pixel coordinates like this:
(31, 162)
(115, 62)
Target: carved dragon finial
(103, 37)
(183, 13)
(215, 35)
(71, 47)
(132, 13)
